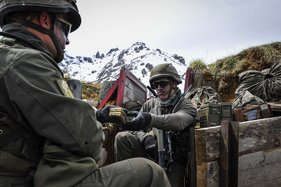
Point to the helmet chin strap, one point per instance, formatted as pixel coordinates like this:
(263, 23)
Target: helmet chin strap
(60, 53)
(171, 92)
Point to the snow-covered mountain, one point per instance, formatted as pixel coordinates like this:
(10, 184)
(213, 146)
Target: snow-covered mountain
(138, 58)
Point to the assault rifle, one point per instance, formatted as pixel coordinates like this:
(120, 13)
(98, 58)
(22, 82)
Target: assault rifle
(164, 144)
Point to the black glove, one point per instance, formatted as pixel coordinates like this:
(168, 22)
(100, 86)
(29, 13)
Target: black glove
(103, 114)
(141, 120)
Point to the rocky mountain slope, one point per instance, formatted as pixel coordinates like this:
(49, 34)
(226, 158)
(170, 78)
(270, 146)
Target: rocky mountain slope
(138, 58)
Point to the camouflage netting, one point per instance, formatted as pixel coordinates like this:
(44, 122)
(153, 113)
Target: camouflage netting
(203, 95)
(246, 98)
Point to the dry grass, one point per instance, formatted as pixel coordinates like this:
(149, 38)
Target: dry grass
(91, 91)
(225, 71)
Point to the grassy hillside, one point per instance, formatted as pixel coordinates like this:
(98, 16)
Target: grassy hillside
(225, 71)
(254, 58)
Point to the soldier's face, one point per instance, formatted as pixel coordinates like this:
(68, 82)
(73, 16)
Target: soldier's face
(62, 30)
(163, 88)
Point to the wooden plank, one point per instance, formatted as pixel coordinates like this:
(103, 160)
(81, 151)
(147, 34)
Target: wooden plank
(233, 153)
(121, 87)
(256, 135)
(228, 162)
(263, 135)
(205, 140)
(192, 166)
(188, 79)
(132, 92)
(259, 135)
(212, 174)
(224, 154)
(260, 169)
(275, 106)
(127, 87)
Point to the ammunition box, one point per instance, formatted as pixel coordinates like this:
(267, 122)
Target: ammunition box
(252, 112)
(238, 114)
(251, 115)
(265, 110)
(226, 111)
(212, 114)
(119, 115)
(247, 113)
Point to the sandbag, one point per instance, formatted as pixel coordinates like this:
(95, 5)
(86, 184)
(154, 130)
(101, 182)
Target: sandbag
(264, 84)
(202, 95)
(246, 98)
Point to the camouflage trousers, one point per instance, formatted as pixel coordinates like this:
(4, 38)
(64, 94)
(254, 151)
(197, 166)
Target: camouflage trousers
(128, 144)
(135, 172)
(61, 168)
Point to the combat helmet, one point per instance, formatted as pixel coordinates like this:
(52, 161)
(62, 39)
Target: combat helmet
(163, 71)
(53, 6)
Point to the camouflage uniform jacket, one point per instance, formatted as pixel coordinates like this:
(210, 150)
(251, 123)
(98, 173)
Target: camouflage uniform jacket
(173, 117)
(35, 96)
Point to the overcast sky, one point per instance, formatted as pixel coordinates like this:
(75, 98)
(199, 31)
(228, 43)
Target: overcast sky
(205, 29)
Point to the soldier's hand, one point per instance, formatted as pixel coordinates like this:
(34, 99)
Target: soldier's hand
(103, 114)
(139, 122)
(112, 114)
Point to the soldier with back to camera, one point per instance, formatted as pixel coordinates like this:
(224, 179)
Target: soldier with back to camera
(48, 137)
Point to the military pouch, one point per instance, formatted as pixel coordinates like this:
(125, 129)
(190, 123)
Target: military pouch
(181, 145)
(59, 167)
(10, 130)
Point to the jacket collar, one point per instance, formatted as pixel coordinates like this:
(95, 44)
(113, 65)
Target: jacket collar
(26, 38)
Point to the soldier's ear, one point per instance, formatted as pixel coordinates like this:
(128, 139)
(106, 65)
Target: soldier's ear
(45, 20)
(174, 84)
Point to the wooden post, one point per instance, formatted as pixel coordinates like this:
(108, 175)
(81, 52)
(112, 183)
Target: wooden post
(207, 154)
(259, 154)
(188, 79)
(224, 155)
(192, 166)
(228, 160)
(234, 153)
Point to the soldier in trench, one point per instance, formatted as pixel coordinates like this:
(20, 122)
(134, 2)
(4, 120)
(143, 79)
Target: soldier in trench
(169, 111)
